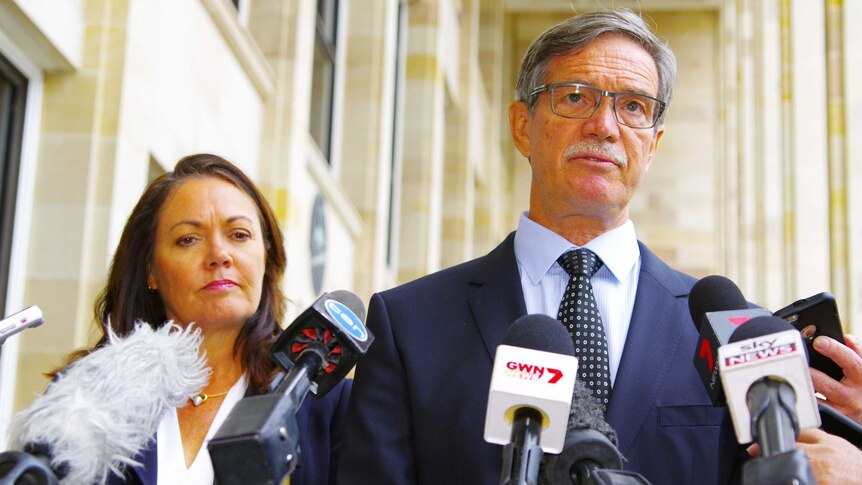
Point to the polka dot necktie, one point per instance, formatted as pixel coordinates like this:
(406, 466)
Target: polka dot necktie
(580, 315)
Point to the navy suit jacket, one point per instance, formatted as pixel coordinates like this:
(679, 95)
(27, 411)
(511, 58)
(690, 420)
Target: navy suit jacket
(417, 409)
(320, 423)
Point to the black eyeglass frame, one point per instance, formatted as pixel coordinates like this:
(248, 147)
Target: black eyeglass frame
(610, 94)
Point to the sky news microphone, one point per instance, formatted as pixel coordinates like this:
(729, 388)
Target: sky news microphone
(106, 406)
(27, 318)
(531, 391)
(717, 308)
(259, 440)
(590, 455)
(764, 371)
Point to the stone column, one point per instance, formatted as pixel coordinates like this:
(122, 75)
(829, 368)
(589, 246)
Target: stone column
(73, 191)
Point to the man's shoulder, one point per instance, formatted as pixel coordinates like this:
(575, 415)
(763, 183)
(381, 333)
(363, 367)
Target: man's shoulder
(497, 263)
(675, 281)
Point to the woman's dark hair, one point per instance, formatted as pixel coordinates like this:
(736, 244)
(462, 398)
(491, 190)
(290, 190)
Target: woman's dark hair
(126, 298)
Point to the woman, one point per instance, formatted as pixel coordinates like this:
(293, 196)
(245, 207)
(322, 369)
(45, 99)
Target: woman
(202, 245)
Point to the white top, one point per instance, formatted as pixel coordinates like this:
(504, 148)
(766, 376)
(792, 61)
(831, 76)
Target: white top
(172, 463)
(544, 281)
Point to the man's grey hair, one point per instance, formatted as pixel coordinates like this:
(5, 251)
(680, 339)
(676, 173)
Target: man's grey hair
(580, 30)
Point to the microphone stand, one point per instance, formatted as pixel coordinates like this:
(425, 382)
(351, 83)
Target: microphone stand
(20, 468)
(259, 441)
(774, 425)
(521, 457)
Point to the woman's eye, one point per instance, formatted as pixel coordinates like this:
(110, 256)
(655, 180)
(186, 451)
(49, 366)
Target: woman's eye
(241, 235)
(186, 240)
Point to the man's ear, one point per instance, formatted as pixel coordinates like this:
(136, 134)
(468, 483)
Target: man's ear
(659, 132)
(519, 121)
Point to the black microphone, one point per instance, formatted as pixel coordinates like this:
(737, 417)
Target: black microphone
(259, 440)
(717, 308)
(590, 455)
(105, 407)
(764, 371)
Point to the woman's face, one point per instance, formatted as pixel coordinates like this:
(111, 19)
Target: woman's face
(209, 257)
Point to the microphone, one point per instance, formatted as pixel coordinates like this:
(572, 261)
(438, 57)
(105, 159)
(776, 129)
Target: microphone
(717, 308)
(259, 440)
(106, 406)
(764, 371)
(530, 394)
(27, 318)
(590, 455)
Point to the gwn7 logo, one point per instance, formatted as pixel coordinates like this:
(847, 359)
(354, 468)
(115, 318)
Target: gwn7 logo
(533, 372)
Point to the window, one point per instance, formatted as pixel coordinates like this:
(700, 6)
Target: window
(323, 76)
(13, 97)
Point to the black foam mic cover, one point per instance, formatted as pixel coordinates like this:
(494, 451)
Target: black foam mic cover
(714, 293)
(539, 332)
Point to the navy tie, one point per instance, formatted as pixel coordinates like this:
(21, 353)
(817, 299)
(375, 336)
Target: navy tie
(580, 315)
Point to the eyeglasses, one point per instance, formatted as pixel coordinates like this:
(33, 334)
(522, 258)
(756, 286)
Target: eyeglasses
(572, 100)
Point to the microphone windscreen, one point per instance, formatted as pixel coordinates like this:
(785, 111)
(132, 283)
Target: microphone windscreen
(351, 301)
(714, 293)
(588, 413)
(106, 406)
(590, 441)
(758, 327)
(540, 332)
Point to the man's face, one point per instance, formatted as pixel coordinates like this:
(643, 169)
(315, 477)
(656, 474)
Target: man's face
(588, 167)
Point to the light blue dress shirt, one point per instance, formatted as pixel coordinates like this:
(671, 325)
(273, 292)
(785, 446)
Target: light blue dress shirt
(544, 281)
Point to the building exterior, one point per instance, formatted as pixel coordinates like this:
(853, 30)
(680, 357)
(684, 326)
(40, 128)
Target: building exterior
(378, 131)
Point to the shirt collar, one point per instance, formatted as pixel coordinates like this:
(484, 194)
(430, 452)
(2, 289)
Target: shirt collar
(537, 248)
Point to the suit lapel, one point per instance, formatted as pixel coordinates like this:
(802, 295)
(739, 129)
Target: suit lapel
(498, 298)
(653, 338)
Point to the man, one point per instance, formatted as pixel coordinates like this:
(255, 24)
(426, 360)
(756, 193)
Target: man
(417, 410)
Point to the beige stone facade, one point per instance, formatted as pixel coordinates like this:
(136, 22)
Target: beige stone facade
(756, 177)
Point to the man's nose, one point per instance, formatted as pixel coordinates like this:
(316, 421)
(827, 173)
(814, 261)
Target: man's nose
(603, 122)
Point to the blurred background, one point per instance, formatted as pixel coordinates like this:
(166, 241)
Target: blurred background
(378, 131)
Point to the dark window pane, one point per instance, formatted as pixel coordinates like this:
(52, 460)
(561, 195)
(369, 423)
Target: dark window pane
(13, 97)
(323, 75)
(321, 99)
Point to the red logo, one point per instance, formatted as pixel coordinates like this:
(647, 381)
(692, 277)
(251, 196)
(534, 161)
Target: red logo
(738, 320)
(705, 352)
(532, 372)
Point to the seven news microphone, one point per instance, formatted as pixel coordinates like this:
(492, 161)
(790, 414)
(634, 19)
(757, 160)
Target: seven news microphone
(551, 426)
